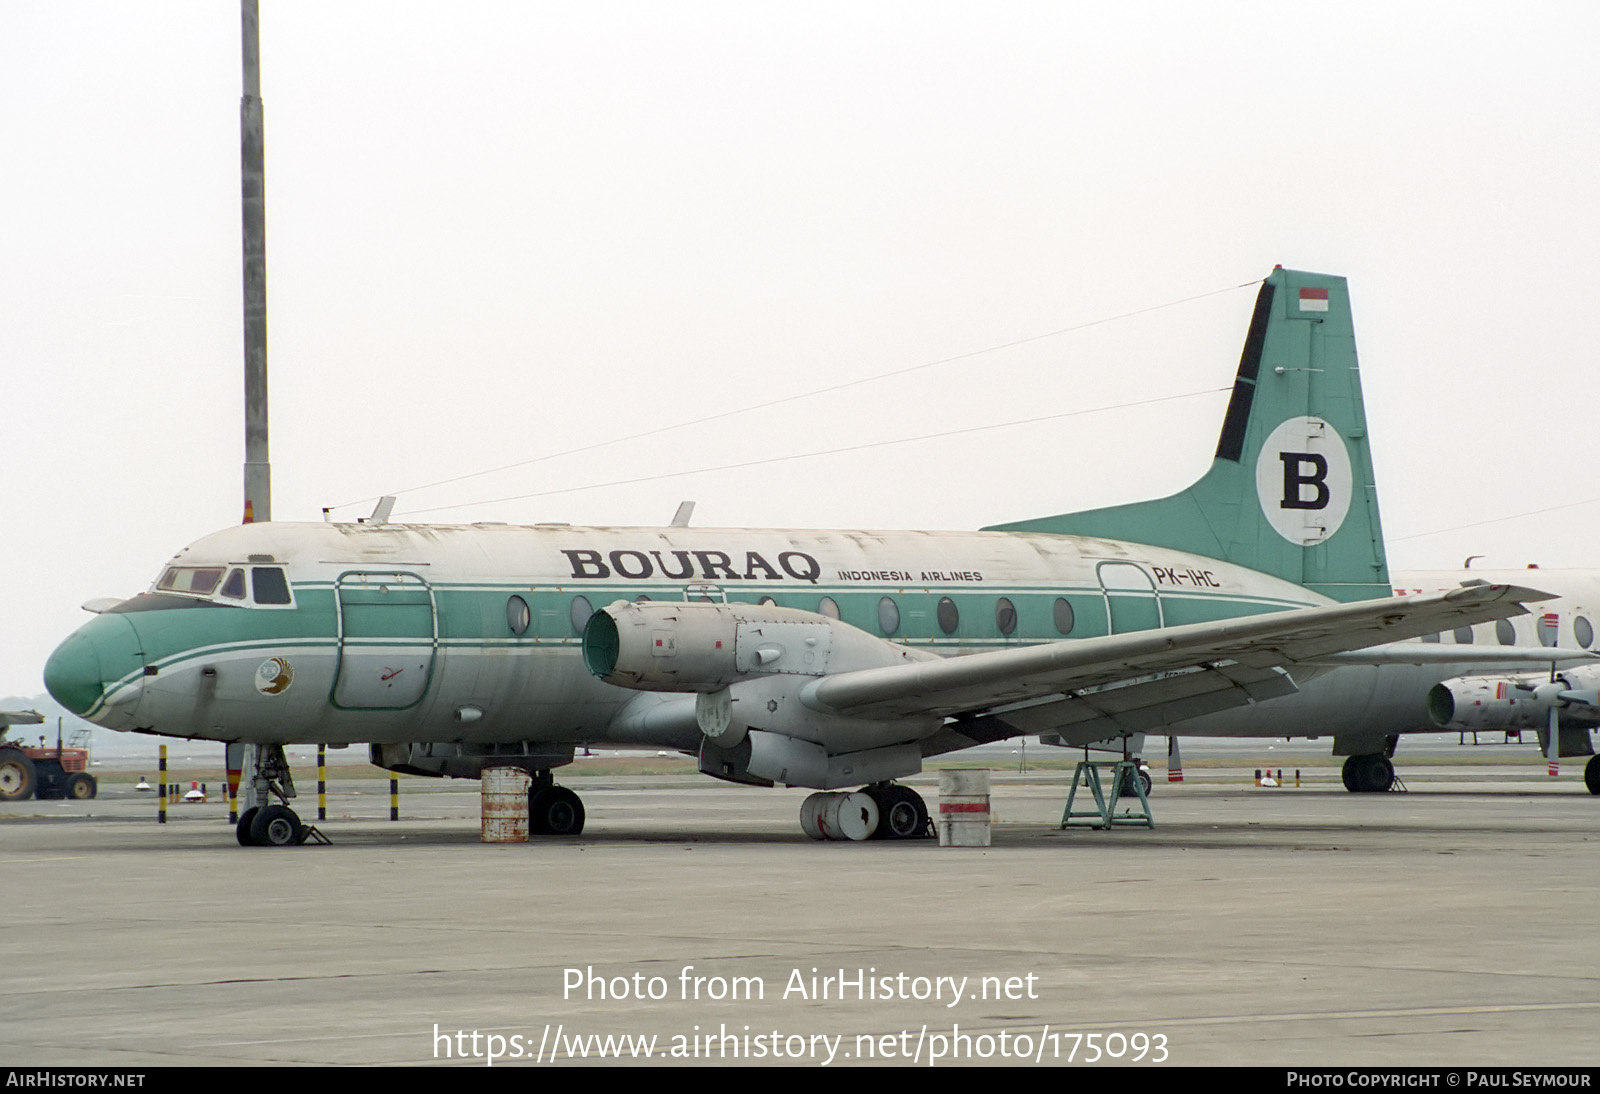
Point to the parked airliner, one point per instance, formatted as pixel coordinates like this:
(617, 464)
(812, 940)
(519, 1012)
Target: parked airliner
(821, 659)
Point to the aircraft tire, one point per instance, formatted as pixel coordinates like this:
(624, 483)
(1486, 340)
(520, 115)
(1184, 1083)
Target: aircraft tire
(1348, 773)
(17, 776)
(555, 811)
(902, 814)
(81, 787)
(1382, 775)
(1591, 774)
(1126, 789)
(242, 829)
(277, 826)
(1372, 773)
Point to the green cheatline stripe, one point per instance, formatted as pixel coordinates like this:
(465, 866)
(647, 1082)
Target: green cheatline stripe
(856, 602)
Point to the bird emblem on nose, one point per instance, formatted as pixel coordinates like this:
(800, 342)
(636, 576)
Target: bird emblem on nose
(274, 676)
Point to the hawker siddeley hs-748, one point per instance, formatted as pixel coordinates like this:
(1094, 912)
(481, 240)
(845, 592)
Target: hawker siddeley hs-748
(821, 659)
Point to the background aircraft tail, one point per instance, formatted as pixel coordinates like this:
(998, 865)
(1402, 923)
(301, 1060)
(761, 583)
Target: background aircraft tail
(1291, 490)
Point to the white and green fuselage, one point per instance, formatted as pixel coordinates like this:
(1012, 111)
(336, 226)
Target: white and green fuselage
(394, 633)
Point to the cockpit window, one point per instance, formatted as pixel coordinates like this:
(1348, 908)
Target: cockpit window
(266, 585)
(269, 585)
(193, 580)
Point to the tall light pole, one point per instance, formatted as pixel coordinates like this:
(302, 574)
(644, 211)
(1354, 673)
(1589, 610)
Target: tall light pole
(257, 468)
(244, 761)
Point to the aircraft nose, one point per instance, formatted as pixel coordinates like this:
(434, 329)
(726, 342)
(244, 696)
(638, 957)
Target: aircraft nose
(92, 659)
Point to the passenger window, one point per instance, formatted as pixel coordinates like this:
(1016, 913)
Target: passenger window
(1583, 631)
(581, 611)
(1463, 636)
(269, 585)
(949, 618)
(1005, 616)
(233, 588)
(518, 617)
(829, 607)
(1064, 618)
(1505, 633)
(888, 615)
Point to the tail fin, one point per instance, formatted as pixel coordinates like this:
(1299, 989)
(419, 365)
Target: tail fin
(1291, 490)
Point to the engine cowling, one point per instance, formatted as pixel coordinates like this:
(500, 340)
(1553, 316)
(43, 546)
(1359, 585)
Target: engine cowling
(748, 666)
(707, 647)
(1500, 701)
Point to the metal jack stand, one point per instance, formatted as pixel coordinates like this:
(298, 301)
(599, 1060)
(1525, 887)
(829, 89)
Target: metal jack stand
(1089, 773)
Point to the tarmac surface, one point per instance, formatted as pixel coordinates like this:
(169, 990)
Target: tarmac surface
(1453, 925)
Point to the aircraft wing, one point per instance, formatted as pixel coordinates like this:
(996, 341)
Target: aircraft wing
(1180, 663)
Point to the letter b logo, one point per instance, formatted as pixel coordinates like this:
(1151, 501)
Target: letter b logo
(1304, 481)
(1296, 478)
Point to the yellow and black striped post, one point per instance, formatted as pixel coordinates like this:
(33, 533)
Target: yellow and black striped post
(161, 811)
(394, 797)
(322, 782)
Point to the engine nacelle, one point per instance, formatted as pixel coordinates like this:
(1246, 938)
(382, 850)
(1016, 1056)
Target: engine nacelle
(1516, 701)
(706, 647)
(748, 666)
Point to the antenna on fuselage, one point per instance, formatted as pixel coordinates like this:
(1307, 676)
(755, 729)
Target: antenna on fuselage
(680, 519)
(381, 511)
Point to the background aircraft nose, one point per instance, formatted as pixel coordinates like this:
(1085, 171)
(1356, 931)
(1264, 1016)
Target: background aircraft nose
(98, 654)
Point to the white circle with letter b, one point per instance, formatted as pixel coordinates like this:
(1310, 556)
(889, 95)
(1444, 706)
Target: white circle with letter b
(1303, 480)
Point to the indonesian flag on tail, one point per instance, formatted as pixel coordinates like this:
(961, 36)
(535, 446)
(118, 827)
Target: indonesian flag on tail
(1313, 299)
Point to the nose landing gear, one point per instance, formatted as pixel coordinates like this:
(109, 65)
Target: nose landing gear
(273, 825)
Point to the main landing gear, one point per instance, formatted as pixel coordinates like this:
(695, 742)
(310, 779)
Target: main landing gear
(880, 811)
(1126, 790)
(553, 810)
(273, 825)
(1591, 774)
(1369, 773)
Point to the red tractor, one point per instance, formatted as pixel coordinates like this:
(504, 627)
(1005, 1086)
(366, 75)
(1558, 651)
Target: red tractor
(28, 771)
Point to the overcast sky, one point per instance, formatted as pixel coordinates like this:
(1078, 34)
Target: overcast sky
(502, 231)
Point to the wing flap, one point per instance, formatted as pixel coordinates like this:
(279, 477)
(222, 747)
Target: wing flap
(1146, 706)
